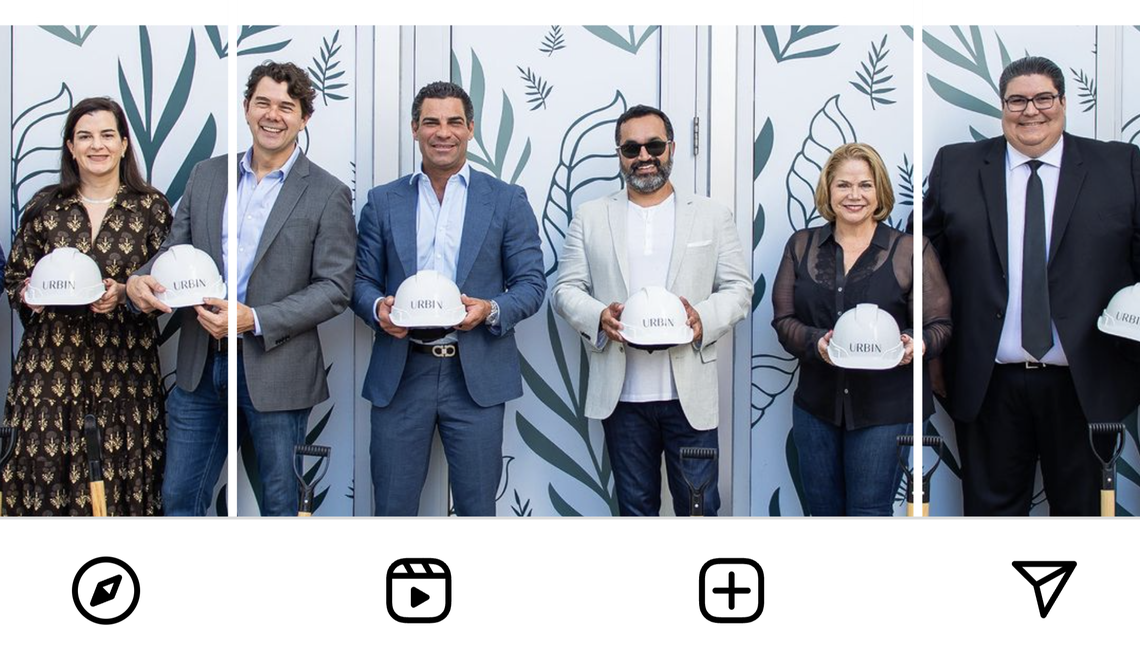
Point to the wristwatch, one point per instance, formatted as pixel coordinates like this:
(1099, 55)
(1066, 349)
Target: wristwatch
(493, 316)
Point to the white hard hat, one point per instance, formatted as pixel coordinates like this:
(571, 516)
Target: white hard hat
(189, 275)
(654, 318)
(65, 277)
(866, 337)
(1122, 316)
(427, 300)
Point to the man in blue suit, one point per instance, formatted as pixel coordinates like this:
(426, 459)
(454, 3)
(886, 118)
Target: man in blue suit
(482, 234)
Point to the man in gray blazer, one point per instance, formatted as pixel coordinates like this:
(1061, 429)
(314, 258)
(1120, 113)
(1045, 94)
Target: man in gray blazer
(653, 235)
(296, 240)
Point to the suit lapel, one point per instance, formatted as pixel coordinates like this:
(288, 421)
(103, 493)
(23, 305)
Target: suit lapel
(476, 221)
(616, 208)
(1072, 176)
(403, 223)
(291, 191)
(215, 213)
(992, 175)
(682, 230)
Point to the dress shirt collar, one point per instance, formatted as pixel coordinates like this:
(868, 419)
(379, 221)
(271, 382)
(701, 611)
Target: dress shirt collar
(246, 164)
(881, 238)
(464, 175)
(1015, 159)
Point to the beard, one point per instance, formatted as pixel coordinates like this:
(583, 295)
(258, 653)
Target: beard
(647, 183)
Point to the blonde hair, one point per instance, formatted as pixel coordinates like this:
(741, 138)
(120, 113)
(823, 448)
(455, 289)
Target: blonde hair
(868, 155)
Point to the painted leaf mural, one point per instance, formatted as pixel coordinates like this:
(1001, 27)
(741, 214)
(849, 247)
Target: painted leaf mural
(790, 49)
(326, 71)
(772, 377)
(829, 128)
(553, 42)
(630, 42)
(35, 148)
(537, 90)
(972, 59)
(587, 168)
(491, 156)
(873, 77)
(150, 133)
(73, 34)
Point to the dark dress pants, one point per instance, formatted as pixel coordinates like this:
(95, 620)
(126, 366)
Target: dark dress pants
(1028, 415)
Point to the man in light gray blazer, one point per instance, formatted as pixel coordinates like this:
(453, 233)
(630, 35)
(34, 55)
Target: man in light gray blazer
(653, 235)
(296, 240)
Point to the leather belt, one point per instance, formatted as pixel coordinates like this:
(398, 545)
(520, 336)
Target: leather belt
(1032, 365)
(222, 345)
(442, 351)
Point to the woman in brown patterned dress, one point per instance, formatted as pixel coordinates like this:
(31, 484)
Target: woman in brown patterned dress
(100, 359)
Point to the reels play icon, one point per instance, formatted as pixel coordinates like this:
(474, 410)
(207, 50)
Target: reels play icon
(418, 590)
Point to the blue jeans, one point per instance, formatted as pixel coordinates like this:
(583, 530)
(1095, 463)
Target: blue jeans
(196, 442)
(273, 436)
(636, 436)
(433, 393)
(847, 472)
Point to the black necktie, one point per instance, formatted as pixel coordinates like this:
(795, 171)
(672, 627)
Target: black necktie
(1036, 332)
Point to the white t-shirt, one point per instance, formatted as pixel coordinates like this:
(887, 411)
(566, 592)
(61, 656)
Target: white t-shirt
(649, 375)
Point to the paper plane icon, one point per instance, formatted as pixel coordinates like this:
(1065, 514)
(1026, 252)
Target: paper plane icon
(106, 590)
(1048, 579)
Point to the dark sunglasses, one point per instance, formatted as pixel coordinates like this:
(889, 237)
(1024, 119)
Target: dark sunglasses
(655, 148)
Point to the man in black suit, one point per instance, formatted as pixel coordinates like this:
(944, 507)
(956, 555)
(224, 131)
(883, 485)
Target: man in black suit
(1036, 231)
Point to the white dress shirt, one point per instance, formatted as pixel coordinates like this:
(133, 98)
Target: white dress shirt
(649, 230)
(1016, 179)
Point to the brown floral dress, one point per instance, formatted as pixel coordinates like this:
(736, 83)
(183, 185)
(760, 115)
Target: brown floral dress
(73, 362)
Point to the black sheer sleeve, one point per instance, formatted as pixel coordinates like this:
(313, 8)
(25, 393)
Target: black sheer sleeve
(797, 338)
(936, 322)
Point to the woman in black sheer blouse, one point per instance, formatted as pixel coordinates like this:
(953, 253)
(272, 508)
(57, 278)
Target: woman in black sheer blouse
(844, 422)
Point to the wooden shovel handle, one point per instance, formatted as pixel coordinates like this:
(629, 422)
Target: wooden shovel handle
(98, 500)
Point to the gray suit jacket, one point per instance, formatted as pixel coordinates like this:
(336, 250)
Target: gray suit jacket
(708, 267)
(302, 275)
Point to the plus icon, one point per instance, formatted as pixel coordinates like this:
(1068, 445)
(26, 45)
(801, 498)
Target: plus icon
(738, 579)
(732, 590)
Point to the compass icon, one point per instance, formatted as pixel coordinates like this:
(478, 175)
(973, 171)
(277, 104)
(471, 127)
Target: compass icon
(105, 590)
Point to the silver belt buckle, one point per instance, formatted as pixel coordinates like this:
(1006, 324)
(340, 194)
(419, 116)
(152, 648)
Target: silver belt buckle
(1033, 365)
(443, 351)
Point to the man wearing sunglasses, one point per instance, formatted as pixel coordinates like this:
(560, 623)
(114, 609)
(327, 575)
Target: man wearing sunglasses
(1036, 230)
(651, 234)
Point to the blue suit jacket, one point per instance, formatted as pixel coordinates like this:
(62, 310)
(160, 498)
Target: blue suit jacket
(500, 258)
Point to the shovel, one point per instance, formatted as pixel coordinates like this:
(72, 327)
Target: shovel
(95, 466)
(905, 449)
(1107, 465)
(697, 493)
(307, 488)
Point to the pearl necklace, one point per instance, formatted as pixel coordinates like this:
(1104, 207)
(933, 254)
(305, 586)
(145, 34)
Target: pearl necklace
(92, 201)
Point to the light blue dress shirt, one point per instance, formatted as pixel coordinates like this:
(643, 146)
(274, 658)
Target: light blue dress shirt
(439, 224)
(439, 227)
(255, 202)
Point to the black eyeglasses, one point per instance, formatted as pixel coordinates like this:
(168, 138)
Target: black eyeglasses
(1043, 101)
(655, 148)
